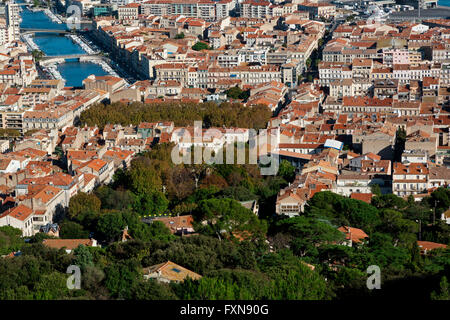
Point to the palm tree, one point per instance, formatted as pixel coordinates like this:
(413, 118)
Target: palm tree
(37, 54)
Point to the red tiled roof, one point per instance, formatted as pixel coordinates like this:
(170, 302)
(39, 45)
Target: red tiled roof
(366, 197)
(353, 234)
(20, 212)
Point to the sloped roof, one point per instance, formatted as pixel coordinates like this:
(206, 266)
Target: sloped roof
(172, 271)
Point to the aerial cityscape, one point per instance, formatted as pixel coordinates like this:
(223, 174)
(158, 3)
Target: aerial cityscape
(224, 150)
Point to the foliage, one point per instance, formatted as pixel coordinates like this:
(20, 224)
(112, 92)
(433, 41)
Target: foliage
(10, 240)
(375, 189)
(121, 278)
(110, 225)
(179, 35)
(51, 287)
(119, 199)
(72, 230)
(227, 216)
(83, 257)
(37, 55)
(343, 211)
(307, 234)
(237, 93)
(82, 204)
(183, 114)
(152, 290)
(203, 254)
(229, 249)
(198, 46)
(13, 133)
(286, 171)
(444, 293)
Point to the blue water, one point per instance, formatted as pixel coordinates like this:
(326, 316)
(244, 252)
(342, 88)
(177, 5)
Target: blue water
(39, 20)
(53, 44)
(56, 45)
(444, 3)
(76, 72)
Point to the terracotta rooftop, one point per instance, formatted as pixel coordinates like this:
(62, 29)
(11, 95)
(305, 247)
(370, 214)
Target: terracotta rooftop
(366, 197)
(353, 234)
(69, 244)
(171, 271)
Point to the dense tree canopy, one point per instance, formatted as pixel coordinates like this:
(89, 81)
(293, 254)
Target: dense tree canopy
(239, 254)
(183, 114)
(198, 46)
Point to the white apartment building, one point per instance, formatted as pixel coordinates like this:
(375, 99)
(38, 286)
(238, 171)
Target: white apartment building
(409, 179)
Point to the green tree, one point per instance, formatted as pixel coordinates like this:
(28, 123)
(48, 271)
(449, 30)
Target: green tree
(121, 278)
(83, 257)
(387, 255)
(308, 62)
(183, 114)
(143, 178)
(308, 234)
(37, 55)
(151, 203)
(152, 290)
(389, 201)
(200, 46)
(343, 211)
(39, 237)
(110, 225)
(91, 282)
(82, 203)
(234, 93)
(375, 189)
(10, 239)
(286, 170)
(72, 230)
(228, 216)
(9, 133)
(402, 230)
(227, 284)
(157, 230)
(293, 279)
(399, 146)
(179, 35)
(51, 286)
(444, 293)
(114, 199)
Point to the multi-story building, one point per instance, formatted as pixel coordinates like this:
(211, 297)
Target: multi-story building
(256, 9)
(204, 9)
(12, 13)
(409, 179)
(318, 10)
(12, 118)
(128, 12)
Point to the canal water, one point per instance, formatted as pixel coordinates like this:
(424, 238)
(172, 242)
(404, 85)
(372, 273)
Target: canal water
(53, 44)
